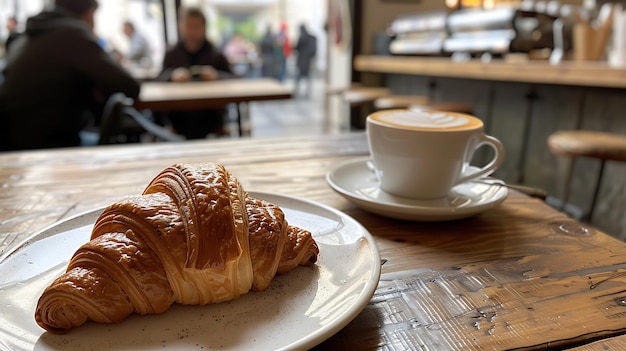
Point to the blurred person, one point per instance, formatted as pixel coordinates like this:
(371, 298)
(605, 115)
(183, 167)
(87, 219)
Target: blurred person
(237, 49)
(13, 33)
(194, 58)
(52, 74)
(139, 50)
(305, 48)
(283, 51)
(239, 53)
(268, 54)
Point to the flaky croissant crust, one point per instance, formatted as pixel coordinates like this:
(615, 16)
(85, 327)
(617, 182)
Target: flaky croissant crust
(194, 237)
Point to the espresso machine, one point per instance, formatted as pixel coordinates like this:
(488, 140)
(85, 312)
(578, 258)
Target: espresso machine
(473, 31)
(419, 34)
(498, 31)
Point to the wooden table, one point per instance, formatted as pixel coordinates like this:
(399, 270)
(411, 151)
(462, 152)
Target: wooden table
(520, 276)
(192, 96)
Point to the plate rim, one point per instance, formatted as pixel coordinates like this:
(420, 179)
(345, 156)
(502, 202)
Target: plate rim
(408, 212)
(308, 341)
(11, 250)
(328, 330)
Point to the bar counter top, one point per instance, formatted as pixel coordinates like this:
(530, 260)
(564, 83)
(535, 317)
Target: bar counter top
(591, 74)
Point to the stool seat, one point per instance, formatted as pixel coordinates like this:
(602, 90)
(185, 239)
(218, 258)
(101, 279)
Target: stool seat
(399, 101)
(338, 90)
(450, 106)
(361, 94)
(584, 143)
(581, 143)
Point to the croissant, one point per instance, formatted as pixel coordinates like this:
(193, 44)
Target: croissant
(193, 237)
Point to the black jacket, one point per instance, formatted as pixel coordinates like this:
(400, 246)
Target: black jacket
(208, 55)
(50, 78)
(306, 48)
(10, 39)
(196, 124)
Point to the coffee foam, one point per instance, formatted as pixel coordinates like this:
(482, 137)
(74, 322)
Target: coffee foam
(426, 120)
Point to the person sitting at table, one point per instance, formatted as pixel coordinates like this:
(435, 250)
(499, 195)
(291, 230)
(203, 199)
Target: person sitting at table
(194, 58)
(51, 77)
(139, 50)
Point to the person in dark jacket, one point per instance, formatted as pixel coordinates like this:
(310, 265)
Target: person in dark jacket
(194, 58)
(305, 51)
(51, 76)
(268, 54)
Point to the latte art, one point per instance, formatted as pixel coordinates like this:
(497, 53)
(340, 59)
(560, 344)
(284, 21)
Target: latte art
(426, 120)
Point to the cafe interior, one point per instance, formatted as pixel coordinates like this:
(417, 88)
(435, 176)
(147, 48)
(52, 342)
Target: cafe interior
(335, 119)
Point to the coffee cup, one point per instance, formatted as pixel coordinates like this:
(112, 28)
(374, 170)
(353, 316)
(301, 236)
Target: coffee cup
(424, 154)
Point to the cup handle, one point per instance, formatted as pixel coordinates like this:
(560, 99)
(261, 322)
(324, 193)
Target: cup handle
(489, 168)
(372, 167)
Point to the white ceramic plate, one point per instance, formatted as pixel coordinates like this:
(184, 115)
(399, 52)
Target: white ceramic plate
(356, 182)
(300, 309)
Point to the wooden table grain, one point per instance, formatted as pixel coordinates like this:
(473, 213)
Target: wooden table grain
(519, 276)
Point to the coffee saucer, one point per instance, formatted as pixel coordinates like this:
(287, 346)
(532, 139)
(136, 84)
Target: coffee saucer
(355, 181)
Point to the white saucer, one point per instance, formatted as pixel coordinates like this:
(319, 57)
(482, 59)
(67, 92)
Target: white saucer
(356, 182)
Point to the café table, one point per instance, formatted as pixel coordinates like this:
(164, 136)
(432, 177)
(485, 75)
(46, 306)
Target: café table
(193, 96)
(519, 276)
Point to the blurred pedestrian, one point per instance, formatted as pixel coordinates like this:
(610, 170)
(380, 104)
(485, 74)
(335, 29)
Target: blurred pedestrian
(268, 54)
(237, 49)
(194, 58)
(240, 53)
(52, 73)
(305, 52)
(283, 51)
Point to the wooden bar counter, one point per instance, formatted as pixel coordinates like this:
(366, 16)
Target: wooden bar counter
(591, 74)
(518, 276)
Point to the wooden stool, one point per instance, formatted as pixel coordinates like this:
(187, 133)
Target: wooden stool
(399, 101)
(460, 107)
(599, 145)
(341, 89)
(362, 95)
(361, 99)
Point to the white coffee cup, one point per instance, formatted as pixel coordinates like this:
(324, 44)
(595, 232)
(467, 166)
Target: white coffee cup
(424, 154)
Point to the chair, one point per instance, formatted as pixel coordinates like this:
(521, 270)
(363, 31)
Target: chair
(578, 143)
(119, 118)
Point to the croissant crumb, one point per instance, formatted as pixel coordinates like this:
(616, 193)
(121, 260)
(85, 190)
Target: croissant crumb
(193, 237)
